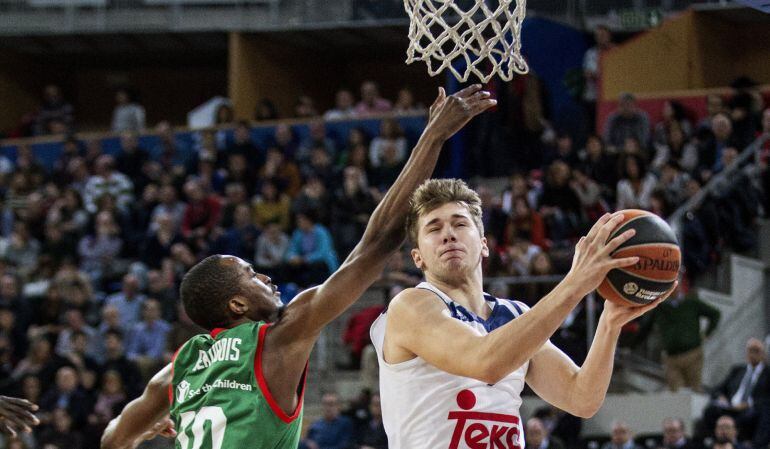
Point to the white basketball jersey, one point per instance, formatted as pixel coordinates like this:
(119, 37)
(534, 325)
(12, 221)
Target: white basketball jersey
(426, 408)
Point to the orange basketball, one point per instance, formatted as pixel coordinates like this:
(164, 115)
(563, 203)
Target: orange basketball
(659, 258)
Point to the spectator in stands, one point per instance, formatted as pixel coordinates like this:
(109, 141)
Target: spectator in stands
(99, 251)
(371, 434)
(74, 323)
(271, 249)
(745, 110)
(169, 205)
(726, 435)
(132, 157)
(320, 166)
(525, 223)
(352, 206)
(20, 249)
(561, 425)
(538, 437)
(240, 238)
(591, 72)
(722, 127)
(590, 194)
(310, 256)
(517, 187)
(675, 147)
(344, 106)
(620, 437)
(173, 153)
(673, 114)
(332, 431)
(107, 180)
(128, 114)
(55, 115)
(62, 432)
(271, 206)
(157, 245)
(282, 171)
(115, 360)
(389, 167)
(636, 184)
(128, 301)
(714, 105)
(265, 110)
(627, 121)
(202, 213)
(111, 397)
(405, 102)
(744, 395)
(317, 137)
(559, 204)
(672, 184)
(391, 134)
(314, 198)
(356, 336)
(146, 343)
(305, 107)
(371, 102)
(244, 145)
(182, 330)
(674, 436)
(67, 393)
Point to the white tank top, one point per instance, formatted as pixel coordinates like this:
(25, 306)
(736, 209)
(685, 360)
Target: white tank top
(426, 408)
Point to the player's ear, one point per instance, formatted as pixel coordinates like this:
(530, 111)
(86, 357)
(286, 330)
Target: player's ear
(417, 258)
(238, 305)
(484, 247)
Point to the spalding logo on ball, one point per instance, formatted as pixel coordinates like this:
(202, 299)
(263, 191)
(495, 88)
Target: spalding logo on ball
(659, 258)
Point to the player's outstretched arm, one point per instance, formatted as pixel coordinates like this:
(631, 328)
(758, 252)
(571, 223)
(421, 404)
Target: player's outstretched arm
(581, 390)
(385, 232)
(143, 418)
(419, 323)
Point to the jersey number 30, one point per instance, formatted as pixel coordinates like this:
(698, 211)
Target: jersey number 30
(195, 423)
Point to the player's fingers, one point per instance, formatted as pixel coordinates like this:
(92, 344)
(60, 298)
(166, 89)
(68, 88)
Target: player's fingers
(16, 412)
(482, 106)
(613, 244)
(21, 403)
(468, 91)
(622, 263)
(16, 425)
(8, 430)
(595, 228)
(605, 230)
(438, 100)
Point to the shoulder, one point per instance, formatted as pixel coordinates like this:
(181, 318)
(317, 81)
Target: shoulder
(415, 302)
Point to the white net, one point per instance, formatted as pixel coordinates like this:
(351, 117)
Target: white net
(486, 34)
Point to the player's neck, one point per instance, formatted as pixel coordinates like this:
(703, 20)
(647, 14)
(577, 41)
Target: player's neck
(468, 292)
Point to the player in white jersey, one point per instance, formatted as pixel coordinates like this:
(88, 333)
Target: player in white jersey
(453, 360)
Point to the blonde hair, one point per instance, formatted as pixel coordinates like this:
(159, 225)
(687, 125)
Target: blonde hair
(433, 194)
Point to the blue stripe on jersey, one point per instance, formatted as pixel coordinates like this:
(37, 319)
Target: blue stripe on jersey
(500, 315)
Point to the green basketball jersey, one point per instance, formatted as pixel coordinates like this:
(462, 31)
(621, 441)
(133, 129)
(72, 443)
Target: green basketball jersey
(219, 398)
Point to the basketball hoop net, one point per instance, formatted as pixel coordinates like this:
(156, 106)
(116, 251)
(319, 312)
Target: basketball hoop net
(441, 32)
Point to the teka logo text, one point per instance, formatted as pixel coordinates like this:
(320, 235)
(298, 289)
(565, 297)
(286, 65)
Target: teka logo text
(482, 430)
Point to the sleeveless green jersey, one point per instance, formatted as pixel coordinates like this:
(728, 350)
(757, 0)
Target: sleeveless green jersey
(219, 398)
